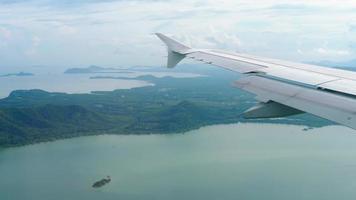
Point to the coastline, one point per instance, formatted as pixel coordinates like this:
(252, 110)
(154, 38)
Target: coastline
(187, 131)
(171, 106)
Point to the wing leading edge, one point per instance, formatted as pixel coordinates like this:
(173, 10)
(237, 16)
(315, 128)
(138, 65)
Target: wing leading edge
(283, 88)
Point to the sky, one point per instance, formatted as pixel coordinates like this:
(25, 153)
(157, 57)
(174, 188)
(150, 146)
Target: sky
(57, 34)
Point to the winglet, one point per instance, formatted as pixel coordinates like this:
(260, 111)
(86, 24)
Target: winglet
(176, 50)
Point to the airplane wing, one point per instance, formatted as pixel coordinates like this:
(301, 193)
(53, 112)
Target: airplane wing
(283, 88)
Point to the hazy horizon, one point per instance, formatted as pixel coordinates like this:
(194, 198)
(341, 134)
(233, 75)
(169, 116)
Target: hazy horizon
(54, 35)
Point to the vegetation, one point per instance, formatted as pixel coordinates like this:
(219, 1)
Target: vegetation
(173, 105)
(90, 69)
(18, 74)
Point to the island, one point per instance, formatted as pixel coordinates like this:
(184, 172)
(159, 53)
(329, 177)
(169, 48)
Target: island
(18, 74)
(346, 65)
(101, 182)
(90, 69)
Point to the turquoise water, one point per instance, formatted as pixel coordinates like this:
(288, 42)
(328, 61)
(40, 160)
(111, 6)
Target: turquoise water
(240, 161)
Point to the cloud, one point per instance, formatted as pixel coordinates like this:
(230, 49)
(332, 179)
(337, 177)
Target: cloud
(322, 53)
(332, 52)
(218, 40)
(119, 32)
(33, 49)
(67, 30)
(295, 6)
(36, 41)
(352, 28)
(5, 33)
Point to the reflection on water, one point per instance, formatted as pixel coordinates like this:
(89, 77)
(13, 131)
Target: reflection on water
(241, 161)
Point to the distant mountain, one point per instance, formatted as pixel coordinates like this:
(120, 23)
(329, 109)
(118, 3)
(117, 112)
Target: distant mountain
(90, 69)
(18, 74)
(350, 65)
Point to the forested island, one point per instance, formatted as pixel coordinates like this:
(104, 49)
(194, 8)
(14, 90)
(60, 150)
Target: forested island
(18, 74)
(173, 105)
(90, 69)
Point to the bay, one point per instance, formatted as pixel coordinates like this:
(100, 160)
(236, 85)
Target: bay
(236, 161)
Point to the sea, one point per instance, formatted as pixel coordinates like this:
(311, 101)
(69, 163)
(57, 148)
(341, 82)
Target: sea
(84, 82)
(247, 161)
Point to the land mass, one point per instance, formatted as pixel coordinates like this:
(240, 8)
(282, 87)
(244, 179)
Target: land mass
(173, 105)
(90, 69)
(347, 65)
(102, 182)
(18, 74)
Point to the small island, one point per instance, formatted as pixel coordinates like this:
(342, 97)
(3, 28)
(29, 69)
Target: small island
(18, 74)
(90, 69)
(102, 182)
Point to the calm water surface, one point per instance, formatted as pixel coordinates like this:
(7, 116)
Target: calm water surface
(240, 161)
(82, 83)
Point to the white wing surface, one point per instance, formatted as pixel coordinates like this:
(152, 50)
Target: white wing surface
(283, 88)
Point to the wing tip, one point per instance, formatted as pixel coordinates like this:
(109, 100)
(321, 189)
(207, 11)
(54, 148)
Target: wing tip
(172, 44)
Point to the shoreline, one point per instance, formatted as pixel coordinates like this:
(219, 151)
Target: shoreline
(88, 134)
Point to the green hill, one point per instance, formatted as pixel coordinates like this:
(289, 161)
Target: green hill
(171, 106)
(27, 125)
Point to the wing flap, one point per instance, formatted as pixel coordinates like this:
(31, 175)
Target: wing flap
(342, 85)
(326, 105)
(270, 109)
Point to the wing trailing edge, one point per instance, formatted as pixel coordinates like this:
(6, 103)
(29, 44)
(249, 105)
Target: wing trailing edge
(334, 107)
